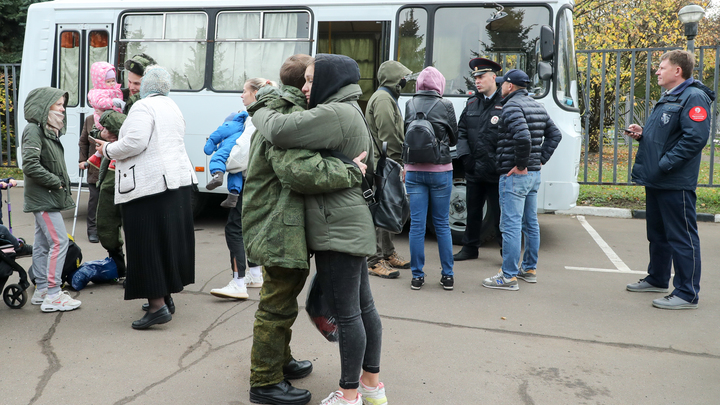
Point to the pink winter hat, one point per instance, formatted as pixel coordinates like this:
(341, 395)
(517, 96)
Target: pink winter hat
(431, 79)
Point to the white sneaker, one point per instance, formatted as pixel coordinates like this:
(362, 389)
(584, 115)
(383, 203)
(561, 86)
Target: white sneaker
(253, 282)
(38, 297)
(63, 302)
(374, 396)
(232, 290)
(336, 398)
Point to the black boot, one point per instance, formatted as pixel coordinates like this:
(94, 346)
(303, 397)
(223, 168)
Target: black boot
(280, 393)
(465, 254)
(297, 369)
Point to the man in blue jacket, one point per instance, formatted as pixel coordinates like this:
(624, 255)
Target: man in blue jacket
(667, 164)
(526, 139)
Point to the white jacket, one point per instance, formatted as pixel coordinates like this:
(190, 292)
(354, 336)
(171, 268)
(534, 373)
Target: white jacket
(150, 151)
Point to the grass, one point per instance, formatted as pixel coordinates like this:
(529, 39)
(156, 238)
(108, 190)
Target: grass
(633, 197)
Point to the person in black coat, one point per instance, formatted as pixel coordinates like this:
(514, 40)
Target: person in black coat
(477, 139)
(526, 141)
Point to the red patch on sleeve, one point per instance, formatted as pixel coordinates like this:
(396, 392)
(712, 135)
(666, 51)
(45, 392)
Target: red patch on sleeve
(698, 114)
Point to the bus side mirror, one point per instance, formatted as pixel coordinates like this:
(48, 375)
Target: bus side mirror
(547, 43)
(545, 71)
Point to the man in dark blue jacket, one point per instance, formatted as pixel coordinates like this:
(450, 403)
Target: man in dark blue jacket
(477, 139)
(526, 140)
(667, 164)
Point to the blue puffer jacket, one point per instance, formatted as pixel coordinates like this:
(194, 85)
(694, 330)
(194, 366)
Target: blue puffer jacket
(523, 125)
(673, 138)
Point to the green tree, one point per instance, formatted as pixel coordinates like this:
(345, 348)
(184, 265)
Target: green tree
(13, 14)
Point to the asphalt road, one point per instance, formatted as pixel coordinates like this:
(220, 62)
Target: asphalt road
(575, 337)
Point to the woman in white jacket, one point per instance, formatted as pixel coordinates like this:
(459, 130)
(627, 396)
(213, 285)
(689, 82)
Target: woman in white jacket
(153, 185)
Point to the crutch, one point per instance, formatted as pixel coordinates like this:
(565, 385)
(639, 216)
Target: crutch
(77, 203)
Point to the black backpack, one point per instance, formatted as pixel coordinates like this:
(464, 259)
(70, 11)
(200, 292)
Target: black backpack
(421, 145)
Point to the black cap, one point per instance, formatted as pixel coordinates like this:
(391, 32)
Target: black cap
(517, 77)
(482, 65)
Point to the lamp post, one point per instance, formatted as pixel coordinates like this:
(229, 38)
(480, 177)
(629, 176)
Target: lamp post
(690, 16)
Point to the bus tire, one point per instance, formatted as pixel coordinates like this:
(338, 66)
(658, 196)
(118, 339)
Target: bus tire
(458, 216)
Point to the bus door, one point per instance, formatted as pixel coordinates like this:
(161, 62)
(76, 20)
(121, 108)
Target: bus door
(78, 46)
(367, 42)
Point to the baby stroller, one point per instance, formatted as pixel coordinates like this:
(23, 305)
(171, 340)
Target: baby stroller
(14, 295)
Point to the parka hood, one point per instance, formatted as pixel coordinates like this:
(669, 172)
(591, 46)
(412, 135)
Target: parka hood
(332, 72)
(706, 89)
(390, 73)
(98, 70)
(38, 103)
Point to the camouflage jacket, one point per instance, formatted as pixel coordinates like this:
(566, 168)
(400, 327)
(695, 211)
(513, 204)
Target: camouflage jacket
(273, 216)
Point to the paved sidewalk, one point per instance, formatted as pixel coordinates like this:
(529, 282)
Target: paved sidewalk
(575, 337)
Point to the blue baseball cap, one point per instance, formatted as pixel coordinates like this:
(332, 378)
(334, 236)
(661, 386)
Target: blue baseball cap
(517, 77)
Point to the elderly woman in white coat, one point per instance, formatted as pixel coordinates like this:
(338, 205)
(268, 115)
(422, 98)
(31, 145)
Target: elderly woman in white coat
(153, 186)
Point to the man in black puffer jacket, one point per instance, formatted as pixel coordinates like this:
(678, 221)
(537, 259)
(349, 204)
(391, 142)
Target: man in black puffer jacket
(526, 141)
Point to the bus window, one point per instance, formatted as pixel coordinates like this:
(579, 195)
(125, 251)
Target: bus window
(462, 33)
(254, 44)
(566, 89)
(68, 62)
(177, 41)
(98, 52)
(412, 29)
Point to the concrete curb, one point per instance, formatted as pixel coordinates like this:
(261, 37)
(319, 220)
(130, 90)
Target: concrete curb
(624, 213)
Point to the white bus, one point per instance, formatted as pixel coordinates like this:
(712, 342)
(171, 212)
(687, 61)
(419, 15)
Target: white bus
(212, 46)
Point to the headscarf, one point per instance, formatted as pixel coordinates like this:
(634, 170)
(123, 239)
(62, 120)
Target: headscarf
(155, 81)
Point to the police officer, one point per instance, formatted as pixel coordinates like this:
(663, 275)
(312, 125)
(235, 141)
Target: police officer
(667, 164)
(477, 139)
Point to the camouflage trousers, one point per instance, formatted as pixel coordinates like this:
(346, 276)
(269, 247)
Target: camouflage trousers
(274, 318)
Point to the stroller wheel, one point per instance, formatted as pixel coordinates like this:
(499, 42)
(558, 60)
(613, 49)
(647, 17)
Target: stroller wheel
(14, 296)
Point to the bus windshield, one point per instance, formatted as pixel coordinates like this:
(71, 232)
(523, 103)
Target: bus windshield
(463, 33)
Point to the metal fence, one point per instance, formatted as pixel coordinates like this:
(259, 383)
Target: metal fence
(619, 87)
(9, 78)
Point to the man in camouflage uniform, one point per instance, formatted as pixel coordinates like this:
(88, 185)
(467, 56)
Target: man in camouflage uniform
(273, 222)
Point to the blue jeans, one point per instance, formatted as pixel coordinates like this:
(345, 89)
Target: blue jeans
(431, 188)
(518, 216)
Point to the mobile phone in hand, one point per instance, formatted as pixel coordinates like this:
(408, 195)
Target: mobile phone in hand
(92, 139)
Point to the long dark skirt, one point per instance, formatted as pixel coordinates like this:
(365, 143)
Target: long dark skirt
(160, 244)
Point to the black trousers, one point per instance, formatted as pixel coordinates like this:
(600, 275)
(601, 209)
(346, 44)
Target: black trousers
(475, 194)
(234, 239)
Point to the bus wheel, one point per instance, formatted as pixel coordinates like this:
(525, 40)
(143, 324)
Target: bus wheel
(458, 216)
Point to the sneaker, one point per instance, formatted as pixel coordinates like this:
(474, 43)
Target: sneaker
(111, 166)
(529, 276)
(63, 302)
(24, 250)
(382, 269)
(644, 286)
(252, 281)
(447, 282)
(336, 398)
(38, 297)
(373, 396)
(232, 290)
(230, 201)
(417, 283)
(397, 262)
(95, 161)
(216, 181)
(673, 302)
(500, 282)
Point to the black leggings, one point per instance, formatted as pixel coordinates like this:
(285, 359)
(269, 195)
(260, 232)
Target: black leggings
(234, 239)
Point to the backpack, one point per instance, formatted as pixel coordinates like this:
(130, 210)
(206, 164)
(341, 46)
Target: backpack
(421, 145)
(73, 259)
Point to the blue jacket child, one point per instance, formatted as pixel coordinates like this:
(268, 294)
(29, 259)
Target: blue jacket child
(219, 146)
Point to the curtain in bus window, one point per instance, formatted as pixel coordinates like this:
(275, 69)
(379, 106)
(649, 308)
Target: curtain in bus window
(98, 52)
(69, 61)
(362, 49)
(236, 62)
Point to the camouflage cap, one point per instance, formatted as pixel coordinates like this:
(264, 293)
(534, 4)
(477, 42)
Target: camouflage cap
(138, 63)
(112, 121)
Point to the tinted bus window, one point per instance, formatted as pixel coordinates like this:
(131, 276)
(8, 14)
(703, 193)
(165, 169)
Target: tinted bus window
(68, 66)
(255, 44)
(462, 33)
(412, 29)
(175, 40)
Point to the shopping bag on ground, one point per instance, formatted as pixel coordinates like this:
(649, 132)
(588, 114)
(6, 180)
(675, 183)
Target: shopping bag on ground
(320, 313)
(97, 271)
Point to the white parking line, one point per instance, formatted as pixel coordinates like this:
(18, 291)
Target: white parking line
(620, 266)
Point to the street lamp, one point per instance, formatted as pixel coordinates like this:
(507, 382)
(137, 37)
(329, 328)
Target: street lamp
(690, 16)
